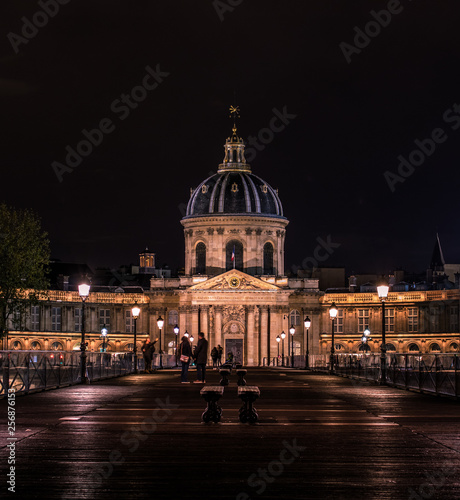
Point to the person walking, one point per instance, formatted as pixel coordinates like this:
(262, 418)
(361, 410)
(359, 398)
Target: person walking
(201, 358)
(214, 356)
(148, 348)
(220, 352)
(185, 355)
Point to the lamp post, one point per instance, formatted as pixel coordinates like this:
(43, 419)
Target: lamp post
(278, 340)
(383, 294)
(365, 338)
(83, 291)
(307, 324)
(283, 336)
(176, 332)
(104, 333)
(160, 323)
(186, 334)
(292, 332)
(135, 312)
(333, 314)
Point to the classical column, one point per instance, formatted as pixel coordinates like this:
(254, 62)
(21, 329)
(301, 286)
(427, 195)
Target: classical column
(218, 326)
(251, 340)
(195, 322)
(204, 321)
(263, 333)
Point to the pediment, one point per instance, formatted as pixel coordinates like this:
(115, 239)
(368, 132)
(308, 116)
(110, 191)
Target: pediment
(234, 280)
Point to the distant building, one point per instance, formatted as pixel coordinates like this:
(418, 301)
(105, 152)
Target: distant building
(235, 290)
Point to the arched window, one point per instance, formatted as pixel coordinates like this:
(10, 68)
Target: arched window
(294, 318)
(56, 346)
(435, 347)
(234, 255)
(453, 347)
(364, 347)
(268, 259)
(413, 348)
(390, 347)
(173, 318)
(35, 346)
(17, 345)
(200, 258)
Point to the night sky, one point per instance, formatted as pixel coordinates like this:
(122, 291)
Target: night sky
(349, 121)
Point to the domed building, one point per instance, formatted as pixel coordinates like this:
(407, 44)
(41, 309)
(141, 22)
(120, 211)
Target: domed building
(234, 220)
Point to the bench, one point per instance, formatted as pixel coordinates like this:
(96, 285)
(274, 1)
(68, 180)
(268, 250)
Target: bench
(212, 394)
(225, 372)
(241, 373)
(248, 394)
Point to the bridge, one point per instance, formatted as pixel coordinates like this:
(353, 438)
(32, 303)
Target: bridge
(319, 437)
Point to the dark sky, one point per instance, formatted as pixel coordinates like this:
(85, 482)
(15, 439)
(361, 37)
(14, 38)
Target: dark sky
(353, 119)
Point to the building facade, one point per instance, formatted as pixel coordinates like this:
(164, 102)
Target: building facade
(236, 292)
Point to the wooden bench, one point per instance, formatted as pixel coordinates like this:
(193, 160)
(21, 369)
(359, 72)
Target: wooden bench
(241, 373)
(248, 394)
(212, 394)
(225, 372)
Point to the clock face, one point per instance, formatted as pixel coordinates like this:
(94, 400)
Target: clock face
(234, 282)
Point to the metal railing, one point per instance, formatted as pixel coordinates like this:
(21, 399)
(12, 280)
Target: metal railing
(432, 373)
(26, 371)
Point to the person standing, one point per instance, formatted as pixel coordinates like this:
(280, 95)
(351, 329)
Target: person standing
(201, 358)
(185, 355)
(148, 348)
(214, 358)
(220, 351)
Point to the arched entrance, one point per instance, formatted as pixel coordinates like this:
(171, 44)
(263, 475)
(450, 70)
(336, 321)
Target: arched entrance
(234, 341)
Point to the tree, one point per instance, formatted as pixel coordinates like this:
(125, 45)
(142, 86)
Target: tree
(24, 259)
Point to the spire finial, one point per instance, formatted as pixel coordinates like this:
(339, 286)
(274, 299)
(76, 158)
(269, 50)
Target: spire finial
(235, 111)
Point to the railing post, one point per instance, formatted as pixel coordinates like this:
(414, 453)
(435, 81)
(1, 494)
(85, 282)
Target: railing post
(6, 374)
(26, 391)
(455, 376)
(44, 374)
(436, 374)
(420, 373)
(406, 371)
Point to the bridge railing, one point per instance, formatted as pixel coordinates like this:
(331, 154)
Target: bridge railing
(433, 373)
(26, 371)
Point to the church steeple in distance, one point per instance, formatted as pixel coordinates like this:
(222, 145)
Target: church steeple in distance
(234, 159)
(437, 258)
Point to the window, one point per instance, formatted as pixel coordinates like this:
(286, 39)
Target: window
(268, 259)
(173, 318)
(363, 320)
(412, 319)
(129, 322)
(435, 347)
(390, 320)
(338, 323)
(56, 346)
(56, 318)
(129, 347)
(294, 318)
(200, 258)
(453, 347)
(104, 318)
(17, 345)
(234, 255)
(454, 318)
(413, 348)
(390, 347)
(35, 318)
(35, 346)
(434, 319)
(77, 315)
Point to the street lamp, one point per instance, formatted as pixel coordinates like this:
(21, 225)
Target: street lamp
(176, 332)
(333, 314)
(83, 291)
(307, 324)
(382, 290)
(283, 336)
(365, 338)
(104, 333)
(292, 332)
(135, 312)
(278, 340)
(160, 323)
(186, 334)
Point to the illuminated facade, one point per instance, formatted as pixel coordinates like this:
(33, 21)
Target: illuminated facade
(235, 290)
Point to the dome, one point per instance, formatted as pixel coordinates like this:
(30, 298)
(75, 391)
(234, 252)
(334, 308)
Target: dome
(234, 193)
(234, 189)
